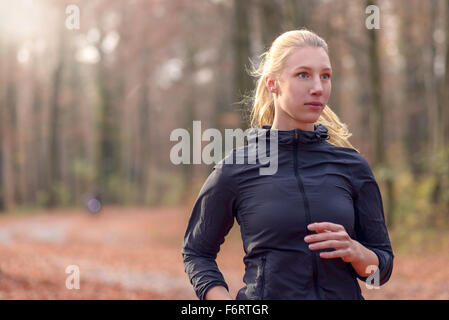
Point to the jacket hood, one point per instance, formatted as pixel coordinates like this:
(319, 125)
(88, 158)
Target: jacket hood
(290, 137)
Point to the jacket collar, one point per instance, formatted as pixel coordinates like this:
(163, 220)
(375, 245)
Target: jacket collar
(295, 136)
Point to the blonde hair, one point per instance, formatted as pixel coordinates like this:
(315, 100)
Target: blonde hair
(272, 62)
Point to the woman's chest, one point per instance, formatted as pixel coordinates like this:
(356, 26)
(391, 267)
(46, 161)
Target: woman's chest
(285, 203)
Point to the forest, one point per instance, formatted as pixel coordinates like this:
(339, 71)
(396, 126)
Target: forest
(91, 91)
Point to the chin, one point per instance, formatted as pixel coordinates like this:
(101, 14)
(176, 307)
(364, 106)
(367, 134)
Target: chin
(311, 119)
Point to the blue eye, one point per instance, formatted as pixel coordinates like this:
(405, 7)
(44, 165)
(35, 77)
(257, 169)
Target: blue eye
(305, 75)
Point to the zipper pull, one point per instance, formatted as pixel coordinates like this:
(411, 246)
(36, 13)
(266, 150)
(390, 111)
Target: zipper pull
(296, 135)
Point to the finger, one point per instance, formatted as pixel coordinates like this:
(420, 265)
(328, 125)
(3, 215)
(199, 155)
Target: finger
(325, 226)
(341, 235)
(342, 253)
(335, 244)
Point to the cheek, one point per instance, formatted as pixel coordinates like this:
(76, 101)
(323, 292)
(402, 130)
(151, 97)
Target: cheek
(296, 92)
(328, 89)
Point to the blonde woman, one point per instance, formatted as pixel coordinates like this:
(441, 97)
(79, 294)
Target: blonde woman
(317, 224)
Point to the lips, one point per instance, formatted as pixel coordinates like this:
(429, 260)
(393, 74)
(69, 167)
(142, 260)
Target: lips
(314, 103)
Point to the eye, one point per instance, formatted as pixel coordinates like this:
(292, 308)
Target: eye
(326, 76)
(302, 75)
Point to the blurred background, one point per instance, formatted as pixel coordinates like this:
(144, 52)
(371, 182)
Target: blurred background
(91, 90)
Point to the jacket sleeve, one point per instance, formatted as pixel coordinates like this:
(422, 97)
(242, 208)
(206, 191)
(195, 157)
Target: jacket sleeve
(370, 228)
(210, 221)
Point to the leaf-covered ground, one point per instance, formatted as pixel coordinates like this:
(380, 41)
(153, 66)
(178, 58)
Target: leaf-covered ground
(135, 253)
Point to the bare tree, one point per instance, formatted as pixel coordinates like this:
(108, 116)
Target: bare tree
(378, 114)
(242, 83)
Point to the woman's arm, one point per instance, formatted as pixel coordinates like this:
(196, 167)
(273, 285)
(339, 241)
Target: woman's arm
(369, 223)
(211, 219)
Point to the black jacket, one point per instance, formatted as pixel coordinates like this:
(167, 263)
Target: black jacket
(315, 182)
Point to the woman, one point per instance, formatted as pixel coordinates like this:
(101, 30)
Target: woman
(317, 224)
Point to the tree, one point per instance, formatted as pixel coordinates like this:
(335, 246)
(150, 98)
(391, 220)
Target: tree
(54, 159)
(378, 115)
(242, 82)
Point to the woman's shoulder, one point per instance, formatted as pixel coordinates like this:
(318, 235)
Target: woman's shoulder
(357, 161)
(346, 152)
(221, 178)
(238, 159)
(240, 162)
(226, 168)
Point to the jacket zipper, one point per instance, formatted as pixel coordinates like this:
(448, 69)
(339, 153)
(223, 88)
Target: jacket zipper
(264, 259)
(307, 211)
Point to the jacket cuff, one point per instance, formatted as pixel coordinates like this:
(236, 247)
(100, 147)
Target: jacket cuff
(201, 293)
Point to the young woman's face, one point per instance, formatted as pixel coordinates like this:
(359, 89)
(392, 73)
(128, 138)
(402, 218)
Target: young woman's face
(304, 81)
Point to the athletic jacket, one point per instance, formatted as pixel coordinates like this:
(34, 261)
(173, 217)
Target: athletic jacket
(315, 182)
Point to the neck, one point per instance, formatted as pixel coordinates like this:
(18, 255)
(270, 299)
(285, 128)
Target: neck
(291, 125)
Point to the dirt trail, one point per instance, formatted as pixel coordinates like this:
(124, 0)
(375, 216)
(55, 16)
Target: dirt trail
(134, 253)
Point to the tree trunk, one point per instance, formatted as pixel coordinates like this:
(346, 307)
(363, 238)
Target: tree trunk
(11, 130)
(378, 117)
(242, 83)
(444, 106)
(109, 142)
(54, 156)
(432, 85)
(414, 113)
(2, 194)
(271, 17)
(298, 13)
(144, 145)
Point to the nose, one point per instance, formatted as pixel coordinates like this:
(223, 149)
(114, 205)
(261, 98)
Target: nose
(317, 87)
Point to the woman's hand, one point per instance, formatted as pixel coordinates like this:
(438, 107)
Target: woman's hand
(331, 235)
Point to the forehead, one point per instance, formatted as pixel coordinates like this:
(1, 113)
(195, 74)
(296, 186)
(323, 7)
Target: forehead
(311, 57)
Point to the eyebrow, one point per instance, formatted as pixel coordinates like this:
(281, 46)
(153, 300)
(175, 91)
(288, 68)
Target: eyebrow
(308, 68)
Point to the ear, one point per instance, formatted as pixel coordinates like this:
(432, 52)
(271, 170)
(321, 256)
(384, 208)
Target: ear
(270, 83)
